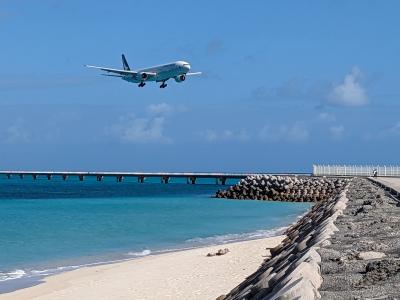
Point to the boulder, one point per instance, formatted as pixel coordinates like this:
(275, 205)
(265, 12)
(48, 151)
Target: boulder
(367, 255)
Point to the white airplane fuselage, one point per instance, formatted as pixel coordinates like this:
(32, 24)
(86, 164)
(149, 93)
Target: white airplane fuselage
(177, 70)
(164, 72)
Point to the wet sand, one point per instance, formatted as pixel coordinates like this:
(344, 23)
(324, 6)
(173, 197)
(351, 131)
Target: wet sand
(186, 274)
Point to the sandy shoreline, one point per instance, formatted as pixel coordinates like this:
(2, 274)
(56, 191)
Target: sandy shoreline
(188, 274)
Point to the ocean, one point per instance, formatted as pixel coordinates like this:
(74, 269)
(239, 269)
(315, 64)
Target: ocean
(51, 226)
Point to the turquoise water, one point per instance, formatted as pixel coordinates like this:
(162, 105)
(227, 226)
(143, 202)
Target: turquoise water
(48, 226)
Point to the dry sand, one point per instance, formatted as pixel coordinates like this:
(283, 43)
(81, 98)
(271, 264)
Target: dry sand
(186, 274)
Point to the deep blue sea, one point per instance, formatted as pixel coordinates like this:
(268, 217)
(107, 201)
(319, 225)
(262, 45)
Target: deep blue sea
(50, 226)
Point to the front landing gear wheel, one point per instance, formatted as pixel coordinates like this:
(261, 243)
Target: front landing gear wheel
(142, 84)
(163, 86)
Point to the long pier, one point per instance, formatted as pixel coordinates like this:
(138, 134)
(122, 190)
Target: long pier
(165, 177)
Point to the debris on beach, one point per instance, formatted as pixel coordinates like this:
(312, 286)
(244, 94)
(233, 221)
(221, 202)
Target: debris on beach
(219, 252)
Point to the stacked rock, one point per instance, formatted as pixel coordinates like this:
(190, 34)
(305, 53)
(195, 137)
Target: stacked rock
(284, 188)
(293, 271)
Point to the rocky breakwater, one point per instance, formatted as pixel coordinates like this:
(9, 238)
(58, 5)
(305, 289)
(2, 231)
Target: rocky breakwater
(363, 259)
(293, 270)
(284, 188)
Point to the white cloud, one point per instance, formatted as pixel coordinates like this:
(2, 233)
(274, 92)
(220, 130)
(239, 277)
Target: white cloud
(165, 109)
(326, 117)
(20, 130)
(390, 132)
(297, 132)
(147, 129)
(336, 131)
(393, 131)
(16, 133)
(350, 92)
(131, 129)
(225, 135)
(160, 108)
(209, 135)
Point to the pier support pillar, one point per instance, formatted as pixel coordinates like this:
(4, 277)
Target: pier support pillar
(64, 177)
(141, 179)
(221, 180)
(81, 177)
(120, 178)
(34, 176)
(165, 179)
(99, 177)
(48, 176)
(9, 176)
(21, 176)
(192, 179)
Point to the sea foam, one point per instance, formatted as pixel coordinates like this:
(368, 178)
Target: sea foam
(12, 275)
(236, 237)
(141, 253)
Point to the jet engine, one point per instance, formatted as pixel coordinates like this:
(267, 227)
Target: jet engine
(143, 76)
(180, 78)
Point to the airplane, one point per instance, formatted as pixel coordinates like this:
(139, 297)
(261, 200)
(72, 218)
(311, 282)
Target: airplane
(177, 70)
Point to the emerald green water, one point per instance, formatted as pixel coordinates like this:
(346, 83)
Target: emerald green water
(49, 226)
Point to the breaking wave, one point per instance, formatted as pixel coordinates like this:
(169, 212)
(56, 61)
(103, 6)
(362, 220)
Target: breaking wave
(141, 253)
(12, 275)
(236, 237)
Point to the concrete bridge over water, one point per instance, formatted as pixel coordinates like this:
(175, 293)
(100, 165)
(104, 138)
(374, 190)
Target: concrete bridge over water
(165, 177)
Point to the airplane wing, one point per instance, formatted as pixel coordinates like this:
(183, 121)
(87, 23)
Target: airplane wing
(116, 71)
(120, 72)
(193, 73)
(113, 75)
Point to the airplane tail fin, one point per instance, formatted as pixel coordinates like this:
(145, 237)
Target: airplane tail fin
(125, 63)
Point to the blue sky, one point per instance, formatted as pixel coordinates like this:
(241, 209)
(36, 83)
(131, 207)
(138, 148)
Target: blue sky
(286, 84)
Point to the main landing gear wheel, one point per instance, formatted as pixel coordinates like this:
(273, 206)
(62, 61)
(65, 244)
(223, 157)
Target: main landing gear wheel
(142, 84)
(163, 85)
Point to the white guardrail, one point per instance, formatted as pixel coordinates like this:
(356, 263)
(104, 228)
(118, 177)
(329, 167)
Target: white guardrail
(356, 170)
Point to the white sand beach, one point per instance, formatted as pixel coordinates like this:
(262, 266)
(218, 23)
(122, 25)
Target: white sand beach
(186, 274)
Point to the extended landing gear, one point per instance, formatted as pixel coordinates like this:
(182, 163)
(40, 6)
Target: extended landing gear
(142, 84)
(163, 85)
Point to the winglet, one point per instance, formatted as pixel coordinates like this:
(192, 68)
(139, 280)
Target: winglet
(125, 63)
